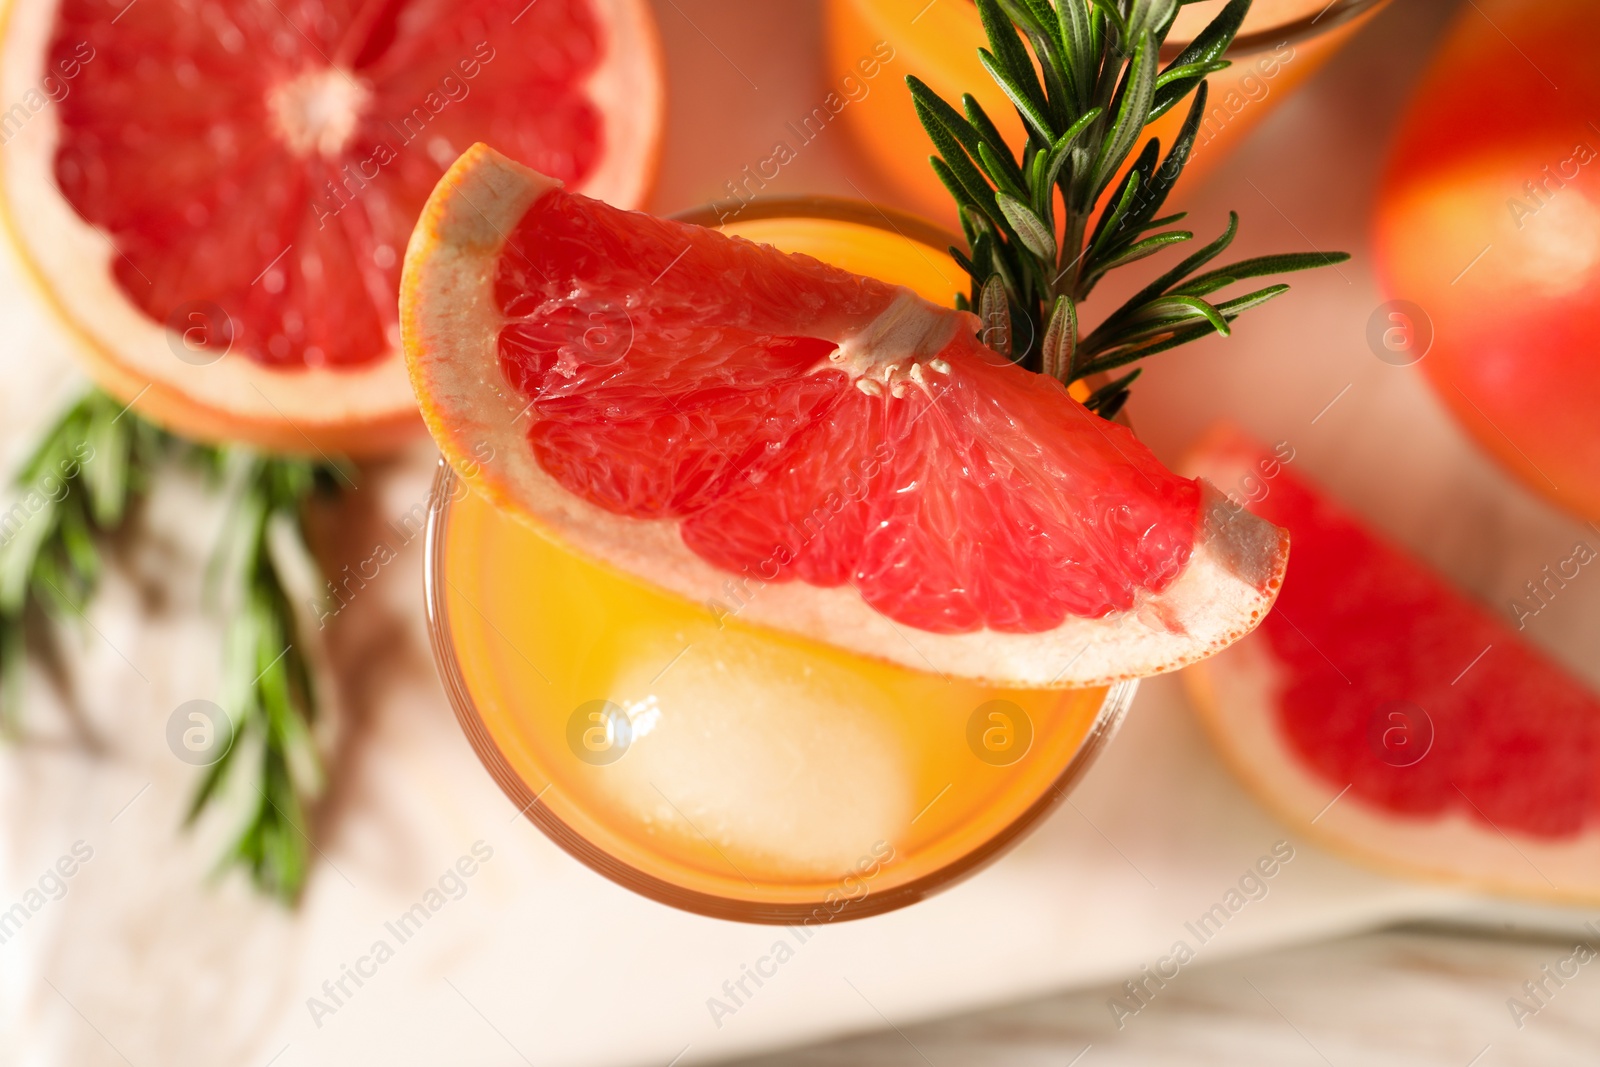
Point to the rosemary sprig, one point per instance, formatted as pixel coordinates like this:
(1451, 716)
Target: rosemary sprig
(78, 488)
(268, 688)
(1085, 79)
(87, 471)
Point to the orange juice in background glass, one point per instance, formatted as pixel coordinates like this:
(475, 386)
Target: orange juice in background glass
(1281, 44)
(718, 766)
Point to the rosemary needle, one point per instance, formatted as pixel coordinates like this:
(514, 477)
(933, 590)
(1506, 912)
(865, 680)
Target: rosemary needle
(1085, 79)
(80, 485)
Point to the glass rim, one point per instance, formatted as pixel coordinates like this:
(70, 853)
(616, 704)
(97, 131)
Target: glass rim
(824, 206)
(1107, 721)
(1294, 31)
(861, 212)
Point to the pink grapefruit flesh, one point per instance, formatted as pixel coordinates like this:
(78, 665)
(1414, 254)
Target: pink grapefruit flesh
(695, 409)
(219, 195)
(1455, 748)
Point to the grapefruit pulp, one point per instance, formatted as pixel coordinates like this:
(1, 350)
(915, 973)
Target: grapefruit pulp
(692, 409)
(1488, 223)
(1380, 711)
(216, 197)
(759, 776)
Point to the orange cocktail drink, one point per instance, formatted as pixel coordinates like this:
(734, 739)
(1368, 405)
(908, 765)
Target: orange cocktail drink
(873, 44)
(721, 766)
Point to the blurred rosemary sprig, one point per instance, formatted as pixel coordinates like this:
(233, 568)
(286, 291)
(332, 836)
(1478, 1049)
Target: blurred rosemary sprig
(268, 688)
(79, 483)
(1085, 78)
(79, 487)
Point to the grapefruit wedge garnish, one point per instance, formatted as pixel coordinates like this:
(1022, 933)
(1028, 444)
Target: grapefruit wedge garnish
(1380, 711)
(712, 415)
(217, 196)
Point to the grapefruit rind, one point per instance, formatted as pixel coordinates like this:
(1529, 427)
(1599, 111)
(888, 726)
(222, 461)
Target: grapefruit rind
(1236, 695)
(451, 323)
(367, 410)
(629, 89)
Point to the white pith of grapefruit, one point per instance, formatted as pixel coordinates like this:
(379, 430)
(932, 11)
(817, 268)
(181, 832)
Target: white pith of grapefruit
(362, 408)
(900, 348)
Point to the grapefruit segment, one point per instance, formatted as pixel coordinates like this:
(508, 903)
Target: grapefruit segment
(217, 197)
(1455, 749)
(709, 414)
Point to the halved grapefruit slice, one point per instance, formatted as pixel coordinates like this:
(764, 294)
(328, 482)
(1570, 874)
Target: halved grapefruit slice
(1381, 712)
(693, 408)
(216, 196)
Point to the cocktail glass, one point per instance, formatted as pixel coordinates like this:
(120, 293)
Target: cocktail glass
(722, 767)
(1280, 45)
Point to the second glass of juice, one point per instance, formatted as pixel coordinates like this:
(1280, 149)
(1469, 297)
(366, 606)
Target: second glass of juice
(719, 766)
(873, 44)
